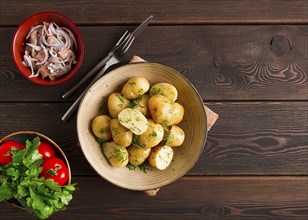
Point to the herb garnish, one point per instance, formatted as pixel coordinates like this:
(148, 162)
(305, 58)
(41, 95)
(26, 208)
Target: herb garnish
(131, 167)
(144, 167)
(20, 180)
(168, 136)
(133, 103)
(136, 141)
(100, 141)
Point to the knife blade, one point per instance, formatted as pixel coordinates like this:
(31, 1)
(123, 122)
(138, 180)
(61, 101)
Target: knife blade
(140, 28)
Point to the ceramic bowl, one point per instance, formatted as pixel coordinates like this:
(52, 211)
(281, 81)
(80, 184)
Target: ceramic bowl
(194, 125)
(19, 43)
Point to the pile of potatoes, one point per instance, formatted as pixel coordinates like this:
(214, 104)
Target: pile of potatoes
(142, 124)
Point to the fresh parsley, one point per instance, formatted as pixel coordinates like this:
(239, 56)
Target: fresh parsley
(20, 181)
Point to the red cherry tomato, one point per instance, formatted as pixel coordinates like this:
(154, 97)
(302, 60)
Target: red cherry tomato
(5, 151)
(54, 168)
(46, 150)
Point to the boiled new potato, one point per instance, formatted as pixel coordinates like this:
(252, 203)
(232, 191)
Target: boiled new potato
(135, 87)
(164, 89)
(175, 136)
(101, 127)
(161, 157)
(142, 104)
(160, 108)
(134, 120)
(116, 154)
(177, 113)
(116, 103)
(120, 135)
(137, 155)
(152, 136)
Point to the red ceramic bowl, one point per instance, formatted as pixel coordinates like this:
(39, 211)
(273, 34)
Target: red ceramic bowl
(19, 40)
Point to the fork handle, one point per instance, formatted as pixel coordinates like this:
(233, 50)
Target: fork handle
(87, 76)
(75, 105)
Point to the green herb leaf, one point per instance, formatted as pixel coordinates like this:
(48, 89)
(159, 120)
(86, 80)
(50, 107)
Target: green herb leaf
(131, 167)
(144, 167)
(136, 141)
(133, 103)
(20, 180)
(168, 136)
(6, 192)
(100, 141)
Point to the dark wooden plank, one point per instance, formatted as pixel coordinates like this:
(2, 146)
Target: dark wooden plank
(174, 12)
(223, 62)
(249, 138)
(188, 198)
(258, 138)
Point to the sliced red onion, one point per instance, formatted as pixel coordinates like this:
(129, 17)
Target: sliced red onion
(72, 36)
(52, 52)
(35, 47)
(33, 29)
(45, 58)
(50, 40)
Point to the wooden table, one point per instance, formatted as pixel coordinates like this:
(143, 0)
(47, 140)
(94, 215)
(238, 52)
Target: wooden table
(249, 62)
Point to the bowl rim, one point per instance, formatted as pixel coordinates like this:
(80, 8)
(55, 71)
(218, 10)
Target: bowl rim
(63, 79)
(151, 64)
(44, 137)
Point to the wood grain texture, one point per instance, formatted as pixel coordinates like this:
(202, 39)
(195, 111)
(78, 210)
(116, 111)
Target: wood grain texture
(250, 138)
(174, 12)
(262, 137)
(223, 62)
(188, 198)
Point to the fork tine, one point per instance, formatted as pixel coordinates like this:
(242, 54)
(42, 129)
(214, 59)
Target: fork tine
(120, 40)
(128, 44)
(120, 45)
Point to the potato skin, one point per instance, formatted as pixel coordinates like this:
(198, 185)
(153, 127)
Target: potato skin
(161, 157)
(145, 113)
(135, 87)
(164, 89)
(142, 105)
(177, 114)
(175, 137)
(116, 103)
(152, 136)
(120, 135)
(101, 127)
(137, 155)
(117, 155)
(161, 109)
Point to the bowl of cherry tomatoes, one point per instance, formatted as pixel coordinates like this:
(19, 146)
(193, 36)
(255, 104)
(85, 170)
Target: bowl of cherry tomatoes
(55, 164)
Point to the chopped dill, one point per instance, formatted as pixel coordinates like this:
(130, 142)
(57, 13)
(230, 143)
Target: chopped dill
(144, 167)
(136, 141)
(133, 103)
(121, 104)
(168, 136)
(100, 141)
(131, 167)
